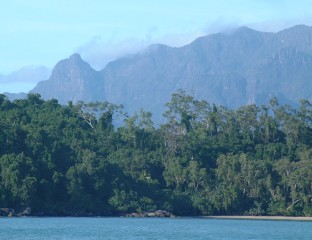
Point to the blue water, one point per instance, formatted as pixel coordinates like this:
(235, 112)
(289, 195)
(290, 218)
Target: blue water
(150, 229)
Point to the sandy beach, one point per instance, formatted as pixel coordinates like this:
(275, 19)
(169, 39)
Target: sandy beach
(284, 218)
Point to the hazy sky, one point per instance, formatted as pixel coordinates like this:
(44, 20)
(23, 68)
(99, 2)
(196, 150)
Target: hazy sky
(41, 32)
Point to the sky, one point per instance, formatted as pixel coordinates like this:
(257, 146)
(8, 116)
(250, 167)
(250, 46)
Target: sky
(42, 32)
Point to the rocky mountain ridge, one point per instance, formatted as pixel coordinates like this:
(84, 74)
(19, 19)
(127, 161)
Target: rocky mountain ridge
(231, 69)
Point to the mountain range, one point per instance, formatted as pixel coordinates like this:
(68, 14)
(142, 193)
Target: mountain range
(232, 69)
(24, 77)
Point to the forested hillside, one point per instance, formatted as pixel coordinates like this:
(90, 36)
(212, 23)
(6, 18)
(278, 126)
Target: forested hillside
(93, 159)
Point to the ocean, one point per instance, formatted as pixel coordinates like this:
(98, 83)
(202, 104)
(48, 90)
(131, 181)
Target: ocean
(65, 228)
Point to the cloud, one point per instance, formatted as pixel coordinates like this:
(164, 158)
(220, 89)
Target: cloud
(222, 24)
(99, 51)
(102, 49)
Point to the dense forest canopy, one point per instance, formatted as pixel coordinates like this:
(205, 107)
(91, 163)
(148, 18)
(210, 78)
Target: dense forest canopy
(94, 159)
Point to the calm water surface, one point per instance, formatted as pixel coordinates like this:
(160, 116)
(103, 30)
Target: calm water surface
(150, 229)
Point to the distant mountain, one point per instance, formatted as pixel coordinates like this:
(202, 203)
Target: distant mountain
(14, 96)
(27, 74)
(72, 80)
(230, 69)
(26, 77)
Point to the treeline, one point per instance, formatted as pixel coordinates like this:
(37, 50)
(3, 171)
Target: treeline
(93, 159)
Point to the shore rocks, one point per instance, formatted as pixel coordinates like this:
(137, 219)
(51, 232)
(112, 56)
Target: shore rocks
(25, 212)
(10, 212)
(157, 214)
(7, 212)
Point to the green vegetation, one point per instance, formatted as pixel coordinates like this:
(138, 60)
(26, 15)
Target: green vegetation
(93, 159)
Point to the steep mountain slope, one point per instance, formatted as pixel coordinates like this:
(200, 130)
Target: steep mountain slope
(72, 80)
(234, 69)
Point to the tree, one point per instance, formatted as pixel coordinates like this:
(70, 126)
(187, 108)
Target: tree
(18, 179)
(175, 174)
(196, 176)
(184, 110)
(92, 112)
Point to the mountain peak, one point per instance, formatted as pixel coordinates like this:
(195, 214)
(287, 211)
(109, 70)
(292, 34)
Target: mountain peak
(298, 30)
(244, 30)
(299, 27)
(73, 62)
(72, 79)
(75, 57)
(299, 36)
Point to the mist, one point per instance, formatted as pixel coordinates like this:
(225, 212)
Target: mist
(99, 51)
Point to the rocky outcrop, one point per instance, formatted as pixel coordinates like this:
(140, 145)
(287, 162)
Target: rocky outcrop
(7, 212)
(25, 212)
(10, 212)
(73, 80)
(156, 214)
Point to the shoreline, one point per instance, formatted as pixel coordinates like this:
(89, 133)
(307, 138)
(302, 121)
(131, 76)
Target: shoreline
(281, 218)
(256, 218)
